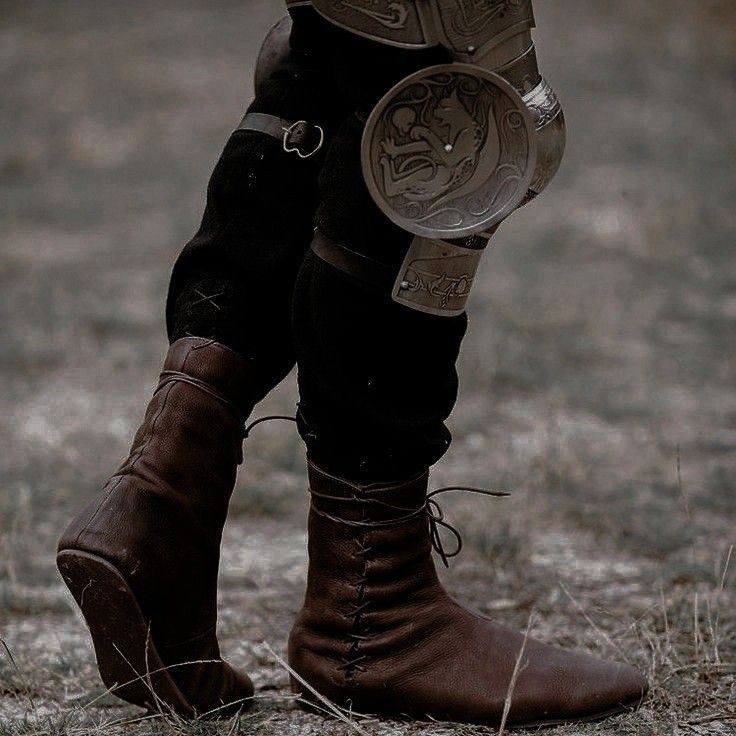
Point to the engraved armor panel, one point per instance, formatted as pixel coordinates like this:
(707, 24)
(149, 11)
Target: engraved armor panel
(522, 72)
(397, 22)
(471, 25)
(436, 277)
(453, 149)
(549, 121)
(449, 151)
(462, 25)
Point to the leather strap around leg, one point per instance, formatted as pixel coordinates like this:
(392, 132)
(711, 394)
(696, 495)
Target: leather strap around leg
(354, 264)
(300, 137)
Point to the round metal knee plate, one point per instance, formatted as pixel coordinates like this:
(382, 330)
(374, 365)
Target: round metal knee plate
(449, 151)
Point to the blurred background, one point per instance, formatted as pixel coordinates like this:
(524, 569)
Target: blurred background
(597, 379)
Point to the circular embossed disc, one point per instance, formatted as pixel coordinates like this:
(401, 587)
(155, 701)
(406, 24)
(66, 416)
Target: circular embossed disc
(449, 151)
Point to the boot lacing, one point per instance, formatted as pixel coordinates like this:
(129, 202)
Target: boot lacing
(168, 377)
(355, 658)
(434, 513)
(248, 428)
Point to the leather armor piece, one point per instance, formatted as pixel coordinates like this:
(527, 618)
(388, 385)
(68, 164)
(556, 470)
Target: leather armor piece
(379, 634)
(142, 559)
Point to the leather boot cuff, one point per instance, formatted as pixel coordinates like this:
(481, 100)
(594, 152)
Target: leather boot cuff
(214, 368)
(348, 501)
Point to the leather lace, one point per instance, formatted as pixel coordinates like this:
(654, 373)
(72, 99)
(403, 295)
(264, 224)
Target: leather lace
(431, 508)
(434, 512)
(171, 376)
(250, 427)
(168, 377)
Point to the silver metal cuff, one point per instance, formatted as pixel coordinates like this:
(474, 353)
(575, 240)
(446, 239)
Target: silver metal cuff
(436, 277)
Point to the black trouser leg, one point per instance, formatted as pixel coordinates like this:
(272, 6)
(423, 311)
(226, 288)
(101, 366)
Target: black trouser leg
(234, 280)
(376, 379)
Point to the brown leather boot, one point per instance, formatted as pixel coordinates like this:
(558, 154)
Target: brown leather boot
(142, 560)
(379, 634)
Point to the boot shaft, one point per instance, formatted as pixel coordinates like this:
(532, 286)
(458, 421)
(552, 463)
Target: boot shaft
(370, 576)
(160, 517)
(189, 444)
(377, 534)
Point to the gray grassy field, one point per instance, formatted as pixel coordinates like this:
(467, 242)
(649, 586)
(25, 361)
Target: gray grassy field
(597, 377)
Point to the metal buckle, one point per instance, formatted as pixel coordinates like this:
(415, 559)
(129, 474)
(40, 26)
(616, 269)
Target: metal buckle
(291, 147)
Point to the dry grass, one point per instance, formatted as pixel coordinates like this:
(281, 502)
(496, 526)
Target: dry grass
(683, 634)
(597, 379)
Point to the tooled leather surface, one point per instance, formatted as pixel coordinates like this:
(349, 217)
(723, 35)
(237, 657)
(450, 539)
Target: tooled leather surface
(160, 517)
(421, 653)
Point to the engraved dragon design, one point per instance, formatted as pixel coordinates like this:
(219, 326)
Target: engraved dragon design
(433, 145)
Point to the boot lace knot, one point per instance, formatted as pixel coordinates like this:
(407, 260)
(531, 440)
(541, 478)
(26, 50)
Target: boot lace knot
(436, 518)
(431, 508)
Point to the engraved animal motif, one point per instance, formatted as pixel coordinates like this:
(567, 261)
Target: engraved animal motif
(449, 152)
(434, 159)
(394, 16)
(472, 15)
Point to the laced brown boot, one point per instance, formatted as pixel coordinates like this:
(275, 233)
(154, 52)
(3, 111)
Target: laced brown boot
(380, 635)
(142, 560)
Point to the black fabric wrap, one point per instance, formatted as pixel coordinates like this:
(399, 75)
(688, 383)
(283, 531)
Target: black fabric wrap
(376, 380)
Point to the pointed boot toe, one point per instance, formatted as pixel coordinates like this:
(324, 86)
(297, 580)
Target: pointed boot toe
(560, 686)
(608, 688)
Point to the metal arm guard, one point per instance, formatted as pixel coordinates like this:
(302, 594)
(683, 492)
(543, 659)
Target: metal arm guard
(453, 149)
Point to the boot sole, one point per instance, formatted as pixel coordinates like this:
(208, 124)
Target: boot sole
(309, 703)
(617, 711)
(127, 659)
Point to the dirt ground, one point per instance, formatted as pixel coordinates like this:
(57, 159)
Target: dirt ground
(597, 378)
